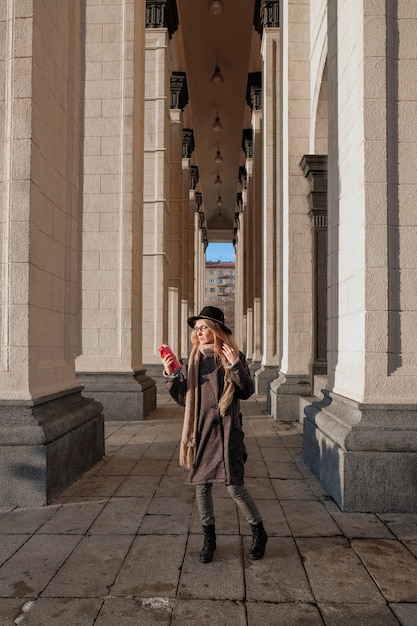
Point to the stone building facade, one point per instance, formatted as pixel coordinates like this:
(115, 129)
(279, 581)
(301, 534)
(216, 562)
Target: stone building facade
(220, 288)
(105, 218)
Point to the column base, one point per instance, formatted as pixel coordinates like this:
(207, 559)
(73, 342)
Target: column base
(45, 446)
(253, 367)
(364, 455)
(155, 372)
(125, 396)
(263, 377)
(285, 393)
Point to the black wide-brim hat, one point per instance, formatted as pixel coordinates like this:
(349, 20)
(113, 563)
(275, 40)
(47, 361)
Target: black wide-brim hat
(211, 313)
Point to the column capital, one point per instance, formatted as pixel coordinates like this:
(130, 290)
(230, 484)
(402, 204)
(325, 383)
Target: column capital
(188, 144)
(314, 168)
(178, 91)
(270, 13)
(194, 177)
(247, 142)
(254, 91)
(266, 15)
(162, 14)
(243, 176)
(239, 201)
(198, 201)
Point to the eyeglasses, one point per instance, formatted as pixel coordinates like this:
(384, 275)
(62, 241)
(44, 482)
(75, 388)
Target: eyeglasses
(201, 329)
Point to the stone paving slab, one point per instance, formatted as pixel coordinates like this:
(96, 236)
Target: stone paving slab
(362, 614)
(309, 518)
(58, 611)
(398, 582)
(74, 519)
(335, 572)
(220, 580)
(32, 567)
(279, 578)
(152, 567)
(135, 612)
(92, 567)
(287, 614)
(405, 613)
(121, 545)
(208, 613)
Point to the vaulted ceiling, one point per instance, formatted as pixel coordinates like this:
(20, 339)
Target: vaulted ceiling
(217, 33)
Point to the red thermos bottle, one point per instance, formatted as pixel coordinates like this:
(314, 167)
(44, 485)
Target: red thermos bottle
(164, 350)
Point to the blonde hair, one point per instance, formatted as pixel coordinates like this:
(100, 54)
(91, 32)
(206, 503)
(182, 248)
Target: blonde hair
(220, 337)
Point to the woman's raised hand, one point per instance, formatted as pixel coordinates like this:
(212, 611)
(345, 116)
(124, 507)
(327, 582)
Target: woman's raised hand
(229, 353)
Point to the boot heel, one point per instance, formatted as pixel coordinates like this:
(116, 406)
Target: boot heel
(209, 546)
(260, 538)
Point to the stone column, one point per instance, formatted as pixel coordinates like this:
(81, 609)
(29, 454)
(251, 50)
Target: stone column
(179, 99)
(240, 269)
(200, 243)
(156, 197)
(256, 233)
(109, 363)
(187, 241)
(271, 222)
(296, 286)
(361, 440)
(49, 433)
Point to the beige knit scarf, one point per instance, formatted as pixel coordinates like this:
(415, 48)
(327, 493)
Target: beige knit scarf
(189, 429)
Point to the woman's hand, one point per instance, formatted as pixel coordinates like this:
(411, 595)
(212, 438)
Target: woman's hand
(229, 353)
(167, 360)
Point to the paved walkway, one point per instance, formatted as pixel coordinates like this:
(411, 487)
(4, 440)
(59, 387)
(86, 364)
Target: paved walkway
(121, 545)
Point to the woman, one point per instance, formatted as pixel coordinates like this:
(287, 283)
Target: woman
(210, 385)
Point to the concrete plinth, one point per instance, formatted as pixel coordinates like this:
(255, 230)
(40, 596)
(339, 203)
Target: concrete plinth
(155, 372)
(254, 366)
(364, 455)
(124, 395)
(44, 447)
(285, 392)
(263, 377)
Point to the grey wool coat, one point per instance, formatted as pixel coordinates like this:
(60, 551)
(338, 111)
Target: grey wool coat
(220, 449)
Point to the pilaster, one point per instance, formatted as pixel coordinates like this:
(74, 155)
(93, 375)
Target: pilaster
(314, 167)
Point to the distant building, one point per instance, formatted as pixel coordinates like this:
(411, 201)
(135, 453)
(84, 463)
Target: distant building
(220, 288)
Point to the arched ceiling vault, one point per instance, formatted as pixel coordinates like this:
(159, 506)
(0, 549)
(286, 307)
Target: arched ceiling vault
(203, 41)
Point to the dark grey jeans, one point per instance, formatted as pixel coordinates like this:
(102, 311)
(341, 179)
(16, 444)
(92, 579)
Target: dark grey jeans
(240, 495)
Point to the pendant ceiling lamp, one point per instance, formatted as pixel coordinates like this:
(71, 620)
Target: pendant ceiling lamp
(217, 125)
(217, 76)
(216, 7)
(218, 158)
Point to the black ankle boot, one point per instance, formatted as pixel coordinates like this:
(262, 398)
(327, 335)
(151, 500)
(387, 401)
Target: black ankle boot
(209, 546)
(259, 541)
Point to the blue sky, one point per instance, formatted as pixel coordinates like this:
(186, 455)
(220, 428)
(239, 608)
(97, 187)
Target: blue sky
(220, 252)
